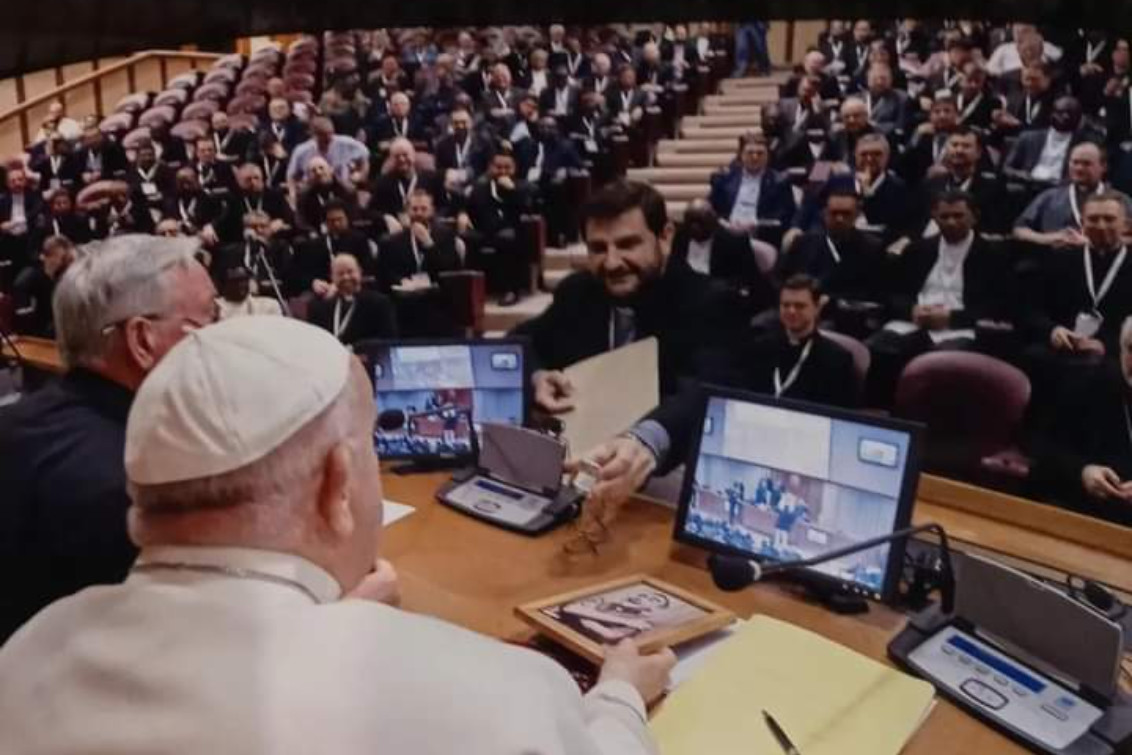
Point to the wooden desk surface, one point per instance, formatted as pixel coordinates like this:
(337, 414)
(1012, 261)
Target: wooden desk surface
(40, 353)
(470, 573)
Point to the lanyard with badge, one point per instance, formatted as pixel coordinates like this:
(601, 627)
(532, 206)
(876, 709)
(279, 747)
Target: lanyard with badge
(462, 152)
(1074, 207)
(781, 386)
(1089, 323)
(833, 249)
(341, 322)
(406, 192)
(967, 111)
(148, 186)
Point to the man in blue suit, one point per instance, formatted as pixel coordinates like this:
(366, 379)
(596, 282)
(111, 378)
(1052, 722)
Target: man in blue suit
(750, 197)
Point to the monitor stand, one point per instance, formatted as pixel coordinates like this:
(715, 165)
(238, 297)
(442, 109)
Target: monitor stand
(425, 466)
(836, 598)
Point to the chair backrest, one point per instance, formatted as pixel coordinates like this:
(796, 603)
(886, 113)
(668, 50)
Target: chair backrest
(247, 104)
(862, 359)
(214, 91)
(200, 111)
(172, 97)
(133, 103)
(189, 130)
(973, 404)
(157, 115)
(117, 123)
(136, 137)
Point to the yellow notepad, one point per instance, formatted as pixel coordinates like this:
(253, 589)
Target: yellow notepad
(830, 700)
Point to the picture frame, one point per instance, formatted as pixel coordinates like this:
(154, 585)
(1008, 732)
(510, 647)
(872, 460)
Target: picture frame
(654, 613)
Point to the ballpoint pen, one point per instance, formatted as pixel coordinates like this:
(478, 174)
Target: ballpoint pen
(783, 740)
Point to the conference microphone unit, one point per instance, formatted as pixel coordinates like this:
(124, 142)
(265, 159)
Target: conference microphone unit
(732, 573)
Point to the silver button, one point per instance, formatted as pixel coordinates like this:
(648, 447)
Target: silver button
(1058, 714)
(1001, 680)
(1020, 691)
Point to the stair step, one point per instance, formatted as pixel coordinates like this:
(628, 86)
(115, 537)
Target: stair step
(745, 99)
(676, 211)
(695, 133)
(696, 145)
(670, 176)
(730, 86)
(504, 318)
(553, 277)
(744, 111)
(712, 160)
(683, 192)
(722, 121)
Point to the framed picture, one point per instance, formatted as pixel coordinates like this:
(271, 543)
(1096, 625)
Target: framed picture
(654, 613)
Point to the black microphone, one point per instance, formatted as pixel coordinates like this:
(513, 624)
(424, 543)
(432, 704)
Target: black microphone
(733, 573)
(391, 419)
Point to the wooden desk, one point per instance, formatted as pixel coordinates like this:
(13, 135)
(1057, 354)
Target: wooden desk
(470, 573)
(39, 353)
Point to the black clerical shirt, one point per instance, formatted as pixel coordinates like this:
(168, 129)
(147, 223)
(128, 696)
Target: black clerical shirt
(63, 510)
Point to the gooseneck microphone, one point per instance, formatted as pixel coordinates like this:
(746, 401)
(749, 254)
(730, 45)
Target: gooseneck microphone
(732, 573)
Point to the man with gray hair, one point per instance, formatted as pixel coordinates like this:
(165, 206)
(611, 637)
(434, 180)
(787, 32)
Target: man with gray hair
(257, 504)
(118, 310)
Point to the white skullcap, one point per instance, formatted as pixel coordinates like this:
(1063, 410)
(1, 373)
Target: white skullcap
(228, 395)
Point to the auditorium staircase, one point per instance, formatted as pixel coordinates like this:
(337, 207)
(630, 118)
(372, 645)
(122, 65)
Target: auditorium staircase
(681, 172)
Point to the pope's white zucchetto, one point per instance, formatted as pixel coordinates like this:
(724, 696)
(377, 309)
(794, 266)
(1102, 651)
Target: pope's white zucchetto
(228, 395)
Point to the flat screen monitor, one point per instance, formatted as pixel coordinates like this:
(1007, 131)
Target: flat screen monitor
(776, 480)
(433, 395)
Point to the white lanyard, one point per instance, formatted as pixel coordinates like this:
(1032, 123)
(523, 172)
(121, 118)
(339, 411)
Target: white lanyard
(399, 126)
(249, 257)
(835, 48)
(937, 148)
(279, 130)
(342, 322)
(55, 161)
(591, 127)
(1032, 110)
(626, 98)
(494, 192)
(94, 162)
(221, 144)
(1098, 295)
(964, 185)
(800, 116)
(406, 192)
(502, 98)
(187, 212)
(833, 249)
(462, 152)
(258, 207)
(1074, 207)
(561, 98)
(967, 111)
(862, 56)
(56, 227)
(416, 250)
(1091, 52)
(599, 84)
(572, 62)
(147, 177)
(949, 77)
(870, 104)
(330, 249)
(270, 170)
(868, 191)
(781, 387)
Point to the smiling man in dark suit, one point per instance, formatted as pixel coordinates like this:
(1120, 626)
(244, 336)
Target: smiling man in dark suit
(350, 313)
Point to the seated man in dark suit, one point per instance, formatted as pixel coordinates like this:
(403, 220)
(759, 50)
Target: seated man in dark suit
(498, 101)
(20, 208)
(928, 144)
(750, 195)
(152, 179)
(35, 286)
(625, 103)
(58, 165)
(319, 190)
(197, 213)
(311, 268)
(940, 288)
(495, 213)
(888, 107)
(284, 125)
(795, 361)
(233, 145)
(1039, 156)
(399, 123)
(965, 167)
(1075, 308)
(977, 103)
(100, 159)
(703, 247)
(217, 179)
(1029, 108)
(264, 256)
(848, 263)
(1088, 456)
(560, 99)
(854, 123)
(391, 190)
(461, 156)
(252, 196)
(351, 313)
(626, 294)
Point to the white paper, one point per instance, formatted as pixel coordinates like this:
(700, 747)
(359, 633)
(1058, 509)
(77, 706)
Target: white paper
(691, 656)
(394, 512)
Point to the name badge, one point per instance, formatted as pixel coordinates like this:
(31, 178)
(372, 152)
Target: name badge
(591, 145)
(1088, 324)
(460, 175)
(149, 188)
(55, 184)
(533, 175)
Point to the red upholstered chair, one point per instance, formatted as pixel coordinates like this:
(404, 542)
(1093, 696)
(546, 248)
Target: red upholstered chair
(299, 95)
(175, 97)
(221, 76)
(301, 45)
(200, 111)
(341, 65)
(189, 130)
(136, 138)
(252, 88)
(186, 80)
(973, 406)
(307, 66)
(242, 121)
(233, 60)
(258, 72)
(862, 359)
(116, 124)
(215, 91)
(157, 115)
(248, 104)
(299, 80)
(133, 103)
(465, 293)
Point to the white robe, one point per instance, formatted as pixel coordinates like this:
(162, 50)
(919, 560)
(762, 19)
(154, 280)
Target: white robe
(186, 662)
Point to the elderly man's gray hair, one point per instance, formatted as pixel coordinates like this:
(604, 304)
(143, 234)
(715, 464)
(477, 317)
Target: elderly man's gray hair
(122, 277)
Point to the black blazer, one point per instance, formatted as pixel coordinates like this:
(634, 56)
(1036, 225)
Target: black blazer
(163, 184)
(989, 196)
(776, 195)
(827, 377)
(199, 211)
(313, 199)
(984, 281)
(33, 206)
(374, 317)
(548, 100)
(490, 216)
(114, 163)
(1027, 151)
(686, 313)
(732, 262)
(385, 130)
(858, 276)
(69, 174)
(395, 259)
(614, 104)
(290, 134)
(1059, 292)
(312, 258)
(475, 160)
(387, 198)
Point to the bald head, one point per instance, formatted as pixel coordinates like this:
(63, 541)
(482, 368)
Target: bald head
(346, 274)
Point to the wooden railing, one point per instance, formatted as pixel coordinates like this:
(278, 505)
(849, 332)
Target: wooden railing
(94, 79)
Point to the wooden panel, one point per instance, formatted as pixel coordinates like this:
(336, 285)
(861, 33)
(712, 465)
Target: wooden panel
(115, 86)
(10, 142)
(147, 76)
(7, 94)
(80, 102)
(806, 35)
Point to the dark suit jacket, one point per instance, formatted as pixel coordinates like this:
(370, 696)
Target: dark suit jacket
(984, 281)
(490, 216)
(387, 198)
(114, 163)
(827, 377)
(788, 114)
(920, 155)
(385, 130)
(858, 276)
(548, 100)
(1059, 293)
(76, 227)
(686, 314)
(989, 196)
(234, 146)
(1016, 106)
(33, 206)
(312, 203)
(732, 262)
(1026, 152)
(277, 254)
(206, 210)
(475, 159)
(69, 174)
(294, 133)
(890, 112)
(217, 179)
(134, 218)
(395, 259)
(614, 103)
(979, 116)
(164, 182)
(312, 258)
(374, 317)
(776, 196)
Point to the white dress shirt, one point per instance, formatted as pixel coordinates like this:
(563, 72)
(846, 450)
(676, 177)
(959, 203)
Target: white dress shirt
(699, 256)
(1051, 163)
(270, 660)
(746, 209)
(944, 284)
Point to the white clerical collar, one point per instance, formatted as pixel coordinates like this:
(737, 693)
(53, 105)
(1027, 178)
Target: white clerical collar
(284, 567)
